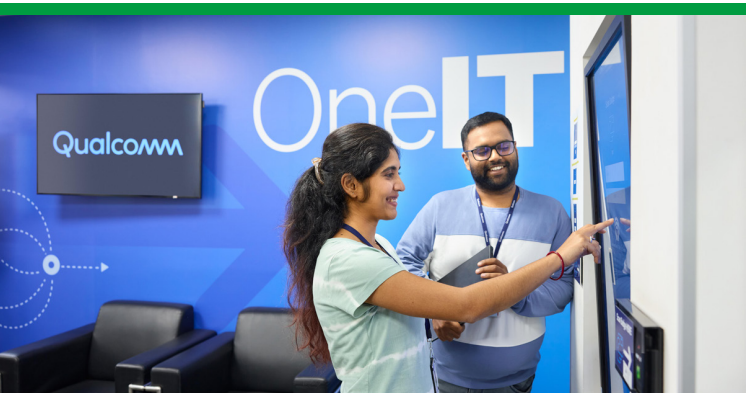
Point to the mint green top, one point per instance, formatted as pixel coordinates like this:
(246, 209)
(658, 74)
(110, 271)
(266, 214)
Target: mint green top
(373, 349)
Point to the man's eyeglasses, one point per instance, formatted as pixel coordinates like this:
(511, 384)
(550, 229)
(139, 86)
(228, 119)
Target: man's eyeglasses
(503, 148)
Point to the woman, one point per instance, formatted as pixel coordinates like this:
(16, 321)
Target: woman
(353, 301)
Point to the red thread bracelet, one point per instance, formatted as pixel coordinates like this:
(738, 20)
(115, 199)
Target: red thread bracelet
(563, 265)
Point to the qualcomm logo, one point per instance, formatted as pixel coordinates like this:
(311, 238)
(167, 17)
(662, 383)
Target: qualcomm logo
(101, 146)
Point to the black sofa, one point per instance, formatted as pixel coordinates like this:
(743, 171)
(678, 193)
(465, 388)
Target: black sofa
(261, 356)
(127, 340)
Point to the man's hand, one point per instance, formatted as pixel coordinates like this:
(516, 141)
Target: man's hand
(490, 268)
(447, 330)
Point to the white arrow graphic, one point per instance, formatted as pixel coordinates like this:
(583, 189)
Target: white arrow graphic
(102, 267)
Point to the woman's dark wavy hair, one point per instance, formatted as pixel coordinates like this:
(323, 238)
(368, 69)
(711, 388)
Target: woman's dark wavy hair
(315, 212)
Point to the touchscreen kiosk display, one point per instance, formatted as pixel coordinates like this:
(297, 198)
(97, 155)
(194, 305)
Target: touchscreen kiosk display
(614, 165)
(607, 78)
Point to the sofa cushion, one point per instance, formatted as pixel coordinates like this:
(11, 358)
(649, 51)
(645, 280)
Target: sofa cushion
(265, 354)
(127, 328)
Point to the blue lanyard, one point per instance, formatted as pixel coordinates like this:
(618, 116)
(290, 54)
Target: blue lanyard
(506, 223)
(363, 239)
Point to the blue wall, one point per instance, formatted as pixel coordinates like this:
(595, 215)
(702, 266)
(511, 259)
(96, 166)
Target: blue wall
(222, 253)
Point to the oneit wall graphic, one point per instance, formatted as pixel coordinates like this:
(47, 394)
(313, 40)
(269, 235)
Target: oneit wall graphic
(121, 145)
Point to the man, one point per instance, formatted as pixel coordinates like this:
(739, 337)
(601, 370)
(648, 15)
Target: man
(498, 353)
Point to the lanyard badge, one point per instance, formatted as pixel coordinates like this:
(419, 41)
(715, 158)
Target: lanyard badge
(506, 222)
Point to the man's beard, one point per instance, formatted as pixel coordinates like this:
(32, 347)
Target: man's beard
(486, 183)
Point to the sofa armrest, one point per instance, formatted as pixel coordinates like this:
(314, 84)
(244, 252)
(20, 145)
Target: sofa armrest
(48, 364)
(316, 379)
(137, 370)
(203, 368)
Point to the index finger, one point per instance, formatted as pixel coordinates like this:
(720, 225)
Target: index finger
(590, 230)
(602, 225)
(486, 262)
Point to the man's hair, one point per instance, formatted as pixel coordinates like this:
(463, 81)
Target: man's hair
(484, 119)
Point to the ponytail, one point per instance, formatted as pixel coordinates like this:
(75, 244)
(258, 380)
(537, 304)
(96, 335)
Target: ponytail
(310, 221)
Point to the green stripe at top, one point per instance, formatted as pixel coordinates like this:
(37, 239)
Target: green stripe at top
(372, 9)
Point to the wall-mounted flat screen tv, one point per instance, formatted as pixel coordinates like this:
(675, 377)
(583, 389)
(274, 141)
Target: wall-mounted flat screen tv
(119, 144)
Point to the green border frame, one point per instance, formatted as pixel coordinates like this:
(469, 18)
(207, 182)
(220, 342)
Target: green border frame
(372, 9)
